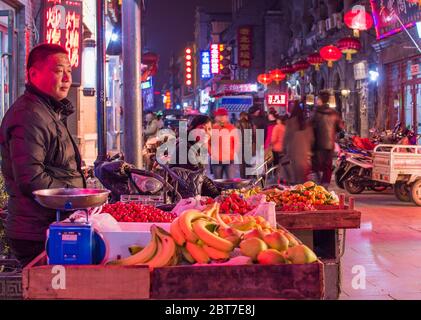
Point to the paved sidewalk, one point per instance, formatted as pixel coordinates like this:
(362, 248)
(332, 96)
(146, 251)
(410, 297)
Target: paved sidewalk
(387, 247)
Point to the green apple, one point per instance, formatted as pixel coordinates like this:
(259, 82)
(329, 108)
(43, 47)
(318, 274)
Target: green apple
(271, 256)
(252, 247)
(277, 241)
(300, 254)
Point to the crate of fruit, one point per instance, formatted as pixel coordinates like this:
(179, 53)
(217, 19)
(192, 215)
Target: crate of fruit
(201, 253)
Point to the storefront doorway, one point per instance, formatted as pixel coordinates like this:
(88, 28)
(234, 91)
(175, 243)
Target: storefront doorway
(404, 93)
(7, 60)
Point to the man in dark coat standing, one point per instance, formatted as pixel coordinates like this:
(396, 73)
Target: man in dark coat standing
(37, 149)
(326, 123)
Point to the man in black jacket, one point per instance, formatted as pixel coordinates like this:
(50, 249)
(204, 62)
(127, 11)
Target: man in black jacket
(37, 149)
(326, 123)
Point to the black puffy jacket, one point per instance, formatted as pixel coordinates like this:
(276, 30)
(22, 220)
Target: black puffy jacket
(205, 185)
(326, 123)
(38, 152)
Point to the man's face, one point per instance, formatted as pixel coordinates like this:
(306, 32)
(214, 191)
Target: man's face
(319, 102)
(148, 117)
(54, 76)
(221, 119)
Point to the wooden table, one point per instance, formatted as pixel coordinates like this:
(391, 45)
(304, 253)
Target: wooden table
(324, 232)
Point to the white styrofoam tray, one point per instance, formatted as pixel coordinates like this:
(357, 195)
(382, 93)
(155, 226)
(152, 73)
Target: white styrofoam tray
(132, 233)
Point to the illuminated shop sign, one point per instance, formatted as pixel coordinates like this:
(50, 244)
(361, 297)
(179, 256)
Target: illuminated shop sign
(62, 25)
(205, 62)
(215, 58)
(277, 100)
(389, 16)
(244, 39)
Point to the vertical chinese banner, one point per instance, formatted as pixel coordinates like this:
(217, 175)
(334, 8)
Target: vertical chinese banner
(62, 25)
(245, 50)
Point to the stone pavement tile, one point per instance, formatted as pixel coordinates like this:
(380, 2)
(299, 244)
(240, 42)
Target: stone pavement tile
(369, 290)
(406, 296)
(379, 297)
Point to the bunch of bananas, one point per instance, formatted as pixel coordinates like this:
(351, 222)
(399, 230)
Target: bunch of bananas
(161, 251)
(203, 236)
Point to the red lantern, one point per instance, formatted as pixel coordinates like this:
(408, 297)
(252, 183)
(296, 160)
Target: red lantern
(331, 54)
(288, 70)
(315, 60)
(301, 66)
(265, 79)
(349, 46)
(358, 20)
(277, 75)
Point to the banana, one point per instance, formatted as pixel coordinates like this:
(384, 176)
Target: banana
(209, 238)
(166, 249)
(185, 222)
(216, 254)
(197, 253)
(176, 232)
(186, 255)
(141, 257)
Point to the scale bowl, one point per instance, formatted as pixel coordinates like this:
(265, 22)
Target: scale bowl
(232, 183)
(71, 199)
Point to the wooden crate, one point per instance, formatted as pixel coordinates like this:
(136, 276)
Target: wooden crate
(304, 281)
(320, 219)
(41, 281)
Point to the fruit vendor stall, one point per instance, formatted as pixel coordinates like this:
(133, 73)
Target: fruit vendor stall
(236, 241)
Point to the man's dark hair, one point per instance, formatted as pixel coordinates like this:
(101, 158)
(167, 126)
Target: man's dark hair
(41, 53)
(324, 95)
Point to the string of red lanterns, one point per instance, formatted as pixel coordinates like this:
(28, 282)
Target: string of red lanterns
(277, 75)
(349, 46)
(358, 21)
(315, 60)
(301, 66)
(265, 79)
(331, 54)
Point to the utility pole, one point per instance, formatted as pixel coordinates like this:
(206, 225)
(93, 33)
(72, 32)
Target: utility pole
(132, 96)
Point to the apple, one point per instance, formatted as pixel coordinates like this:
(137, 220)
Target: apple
(271, 256)
(277, 241)
(255, 233)
(292, 241)
(252, 247)
(300, 254)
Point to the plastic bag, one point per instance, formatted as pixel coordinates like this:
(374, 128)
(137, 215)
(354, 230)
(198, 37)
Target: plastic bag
(102, 222)
(264, 208)
(189, 203)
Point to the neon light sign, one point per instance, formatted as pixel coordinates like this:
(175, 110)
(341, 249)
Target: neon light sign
(205, 62)
(387, 14)
(62, 25)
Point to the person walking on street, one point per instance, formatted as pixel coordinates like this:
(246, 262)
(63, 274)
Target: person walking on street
(245, 130)
(259, 122)
(37, 149)
(298, 142)
(326, 123)
(223, 145)
(276, 143)
(152, 126)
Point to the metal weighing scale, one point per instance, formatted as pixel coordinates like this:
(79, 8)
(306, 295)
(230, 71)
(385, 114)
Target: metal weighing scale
(70, 242)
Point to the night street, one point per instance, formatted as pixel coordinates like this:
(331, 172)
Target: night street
(162, 150)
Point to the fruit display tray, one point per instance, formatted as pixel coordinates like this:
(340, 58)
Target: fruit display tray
(305, 281)
(320, 219)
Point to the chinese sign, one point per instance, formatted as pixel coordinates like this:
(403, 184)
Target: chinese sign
(63, 26)
(389, 15)
(245, 47)
(236, 88)
(205, 60)
(214, 54)
(278, 100)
